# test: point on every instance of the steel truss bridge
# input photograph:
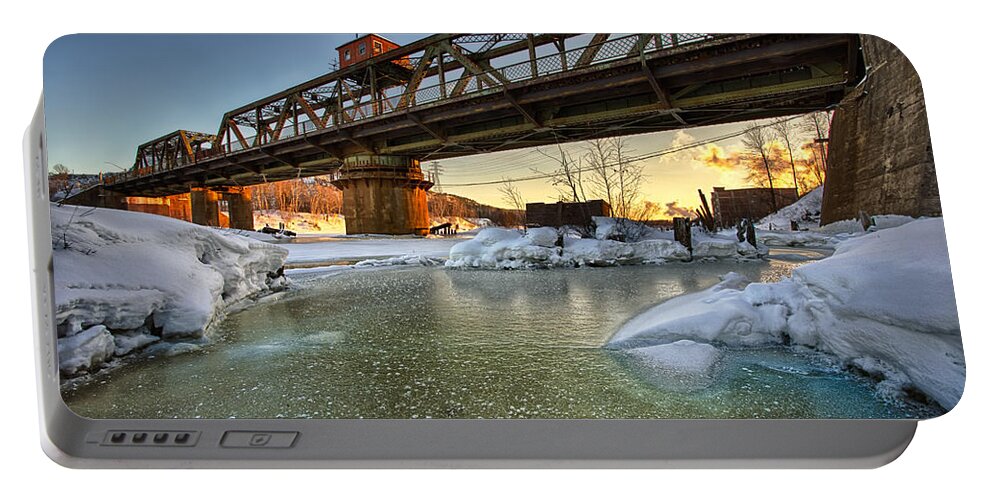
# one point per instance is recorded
(450, 95)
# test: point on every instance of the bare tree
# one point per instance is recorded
(615, 176)
(787, 133)
(813, 163)
(756, 141)
(818, 124)
(598, 160)
(60, 183)
(510, 195)
(568, 177)
(630, 176)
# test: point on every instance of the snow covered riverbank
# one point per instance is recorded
(883, 304)
(495, 248)
(127, 280)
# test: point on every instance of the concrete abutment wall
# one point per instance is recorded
(880, 159)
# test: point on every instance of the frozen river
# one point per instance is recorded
(419, 342)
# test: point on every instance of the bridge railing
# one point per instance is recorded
(490, 80)
(550, 64)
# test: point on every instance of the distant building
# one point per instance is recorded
(363, 48)
(565, 214)
(732, 205)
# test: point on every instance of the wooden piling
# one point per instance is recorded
(681, 227)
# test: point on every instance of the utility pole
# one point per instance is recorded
(436, 171)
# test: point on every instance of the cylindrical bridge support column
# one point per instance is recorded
(383, 194)
(203, 207)
(240, 208)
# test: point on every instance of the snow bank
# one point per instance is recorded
(617, 228)
(124, 280)
(795, 238)
(806, 211)
(337, 249)
(883, 303)
(497, 248)
(774, 229)
(849, 227)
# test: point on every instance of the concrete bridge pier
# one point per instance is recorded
(240, 208)
(204, 208)
(383, 194)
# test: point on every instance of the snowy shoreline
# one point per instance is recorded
(616, 242)
(882, 304)
(127, 282)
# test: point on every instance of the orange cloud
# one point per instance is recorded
(716, 157)
(672, 209)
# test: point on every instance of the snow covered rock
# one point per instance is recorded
(680, 366)
(143, 277)
(620, 229)
(683, 357)
(507, 249)
(722, 313)
(84, 349)
(883, 302)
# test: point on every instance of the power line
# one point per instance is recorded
(654, 154)
(530, 158)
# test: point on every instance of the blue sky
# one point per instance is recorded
(106, 94)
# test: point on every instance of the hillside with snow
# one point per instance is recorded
(127, 280)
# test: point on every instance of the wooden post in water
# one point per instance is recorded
(681, 227)
(746, 231)
(865, 220)
(707, 217)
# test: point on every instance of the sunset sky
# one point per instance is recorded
(674, 177)
(105, 94)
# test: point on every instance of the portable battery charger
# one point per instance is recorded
(487, 250)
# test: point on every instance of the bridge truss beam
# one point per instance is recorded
(453, 95)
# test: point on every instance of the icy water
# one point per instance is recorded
(431, 342)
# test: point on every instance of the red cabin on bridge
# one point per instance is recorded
(363, 48)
